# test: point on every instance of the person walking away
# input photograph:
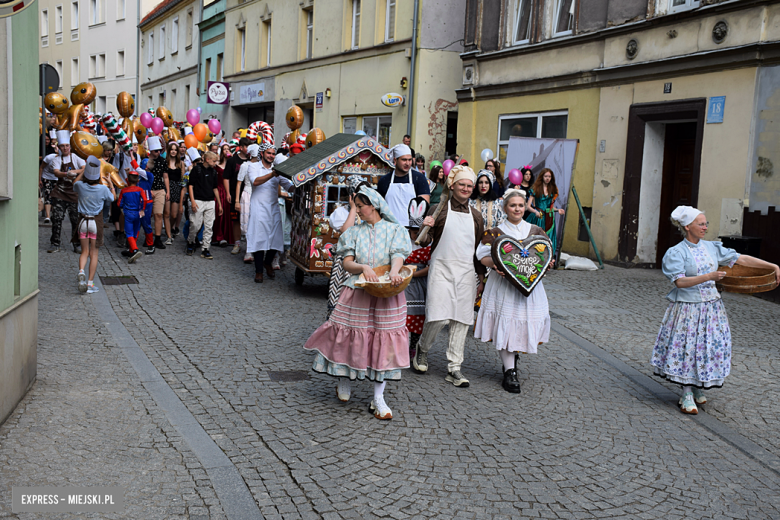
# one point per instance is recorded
(132, 200)
(204, 196)
(145, 180)
(66, 167)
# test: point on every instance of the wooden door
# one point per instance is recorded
(677, 183)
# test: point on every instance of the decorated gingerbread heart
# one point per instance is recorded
(524, 262)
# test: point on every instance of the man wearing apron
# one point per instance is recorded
(403, 184)
(457, 232)
(66, 167)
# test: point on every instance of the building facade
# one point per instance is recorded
(59, 39)
(672, 101)
(212, 58)
(170, 41)
(18, 196)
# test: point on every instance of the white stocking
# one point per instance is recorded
(379, 390)
(686, 389)
(507, 358)
(344, 386)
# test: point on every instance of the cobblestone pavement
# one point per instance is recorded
(581, 440)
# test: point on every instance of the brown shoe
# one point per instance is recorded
(270, 272)
(258, 277)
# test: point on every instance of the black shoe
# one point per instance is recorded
(149, 250)
(190, 250)
(510, 383)
(126, 252)
(135, 255)
(175, 232)
(206, 254)
(158, 243)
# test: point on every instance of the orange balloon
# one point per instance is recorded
(191, 141)
(201, 131)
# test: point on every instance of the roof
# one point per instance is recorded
(325, 156)
(161, 8)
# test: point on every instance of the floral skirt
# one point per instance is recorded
(693, 347)
(365, 338)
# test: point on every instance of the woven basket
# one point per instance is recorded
(386, 289)
(747, 280)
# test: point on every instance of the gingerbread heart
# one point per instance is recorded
(524, 262)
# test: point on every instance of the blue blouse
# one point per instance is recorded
(374, 244)
(679, 261)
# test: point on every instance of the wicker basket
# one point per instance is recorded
(386, 289)
(747, 280)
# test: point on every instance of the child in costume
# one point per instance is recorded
(417, 288)
(145, 180)
(514, 322)
(132, 200)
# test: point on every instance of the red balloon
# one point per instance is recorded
(515, 176)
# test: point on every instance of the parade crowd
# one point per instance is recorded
(232, 195)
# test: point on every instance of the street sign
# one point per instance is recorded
(10, 7)
(217, 93)
(318, 97)
(716, 109)
(48, 79)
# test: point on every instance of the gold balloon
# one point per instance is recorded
(108, 170)
(125, 104)
(56, 103)
(139, 130)
(85, 144)
(165, 114)
(83, 94)
(142, 153)
(294, 117)
(293, 137)
(314, 137)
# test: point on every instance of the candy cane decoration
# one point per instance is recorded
(119, 135)
(87, 120)
(263, 129)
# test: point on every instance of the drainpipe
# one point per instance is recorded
(414, 65)
(137, 59)
(200, 40)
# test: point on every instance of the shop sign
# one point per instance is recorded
(251, 93)
(716, 108)
(393, 100)
(217, 93)
(318, 98)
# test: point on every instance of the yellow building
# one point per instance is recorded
(348, 54)
(671, 101)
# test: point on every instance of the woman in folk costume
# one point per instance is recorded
(418, 287)
(485, 200)
(545, 193)
(366, 336)
(514, 322)
(693, 347)
(342, 219)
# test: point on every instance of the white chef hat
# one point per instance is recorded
(685, 214)
(193, 154)
(63, 136)
(400, 150)
(187, 130)
(253, 150)
(279, 159)
(102, 139)
(52, 134)
(154, 143)
(92, 170)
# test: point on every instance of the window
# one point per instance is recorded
(564, 17)
(267, 29)
(220, 67)
(309, 32)
(350, 125)
(151, 103)
(101, 66)
(58, 67)
(390, 21)
(96, 11)
(93, 66)
(58, 19)
(161, 52)
(161, 98)
(44, 23)
(150, 59)
(175, 35)
(188, 40)
(242, 49)
(378, 127)
(549, 125)
(207, 74)
(100, 108)
(74, 72)
(74, 16)
(522, 29)
(121, 7)
(676, 6)
(186, 98)
(120, 63)
(355, 24)
(172, 104)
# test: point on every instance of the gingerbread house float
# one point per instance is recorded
(319, 175)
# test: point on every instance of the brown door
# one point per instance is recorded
(677, 188)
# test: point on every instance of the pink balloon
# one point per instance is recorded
(515, 176)
(446, 166)
(193, 117)
(157, 125)
(214, 126)
(146, 119)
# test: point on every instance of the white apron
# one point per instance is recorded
(398, 197)
(451, 287)
(264, 232)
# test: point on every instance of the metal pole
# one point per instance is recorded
(137, 59)
(411, 74)
(42, 92)
(587, 227)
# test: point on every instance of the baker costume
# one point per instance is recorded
(399, 194)
(64, 198)
(451, 290)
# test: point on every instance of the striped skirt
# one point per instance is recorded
(365, 338)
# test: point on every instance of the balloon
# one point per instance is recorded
(486, 154)
(200, 131)
(294, 117)
(193, 117)
(435, 164)
(515, 176)
(360, 132)
(446, 166)
(146, 119)
(214, 126)
(190, 141)
(200, 110)
(157, 125)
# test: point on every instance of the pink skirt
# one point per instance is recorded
(365, 338)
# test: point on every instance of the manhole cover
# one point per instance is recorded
(117, 280)
(286, 376)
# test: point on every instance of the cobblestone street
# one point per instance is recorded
(208, 409)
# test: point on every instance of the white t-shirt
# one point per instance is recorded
(74, 159)
(48, 171)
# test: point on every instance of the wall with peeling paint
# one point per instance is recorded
(765, 170)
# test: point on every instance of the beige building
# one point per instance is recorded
(61, 26)
(672, 101)
(351, 53)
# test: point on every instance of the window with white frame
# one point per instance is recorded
(96, 12)
(551, 125)
(175, 35)
(121, 8)
(242, 49)
(190, 29)
(378, 127)
(74, 16)
(151, 102)
(676, 6)
(93, 66)
(220, 67)
(150, 58)
(350, 125)
(161, 52)
(521, 31)
(564, 17)
(74, 72)
(58, 19)
(58, 67)
(267, 28)
(207, 74)
(355, 41)
(120, 63)
(172, 102)
(100, 106)
(390, 20)
(309, 32)
(161, 99)
(44, 23)
(186, 98)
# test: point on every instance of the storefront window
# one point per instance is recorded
(378, 127)
(350, 125)
(551, 125)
